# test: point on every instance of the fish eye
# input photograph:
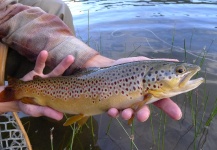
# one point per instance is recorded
(180, 69)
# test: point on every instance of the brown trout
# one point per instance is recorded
(94, 91)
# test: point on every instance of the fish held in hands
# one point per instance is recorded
(94, 91)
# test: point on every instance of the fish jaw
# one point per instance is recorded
(186, 82)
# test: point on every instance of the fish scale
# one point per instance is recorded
(96, 90)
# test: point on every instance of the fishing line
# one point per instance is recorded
(157, 37)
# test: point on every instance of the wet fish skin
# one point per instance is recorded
(94, 92)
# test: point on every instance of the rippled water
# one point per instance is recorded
(154, 29)
(186, 30)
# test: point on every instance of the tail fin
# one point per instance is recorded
(8, 94)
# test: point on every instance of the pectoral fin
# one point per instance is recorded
(138, 105)
(77, 118)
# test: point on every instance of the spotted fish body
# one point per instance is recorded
(95, 91)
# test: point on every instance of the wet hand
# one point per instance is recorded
(37, 111)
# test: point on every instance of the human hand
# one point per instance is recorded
(166, 104)
(34, 110)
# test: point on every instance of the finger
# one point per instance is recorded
(37, 111)
(170, 108)
(60, 69)
(113, 112)
(40, 62)
(126, 114)
(51, 113)
(143, 113)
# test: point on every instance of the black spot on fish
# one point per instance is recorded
(143, 80)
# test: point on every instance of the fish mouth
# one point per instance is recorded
(186, 81)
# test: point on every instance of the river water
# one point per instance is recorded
(185, 30)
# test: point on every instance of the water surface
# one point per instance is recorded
(185, 30)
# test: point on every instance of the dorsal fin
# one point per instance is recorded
(36, 77)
